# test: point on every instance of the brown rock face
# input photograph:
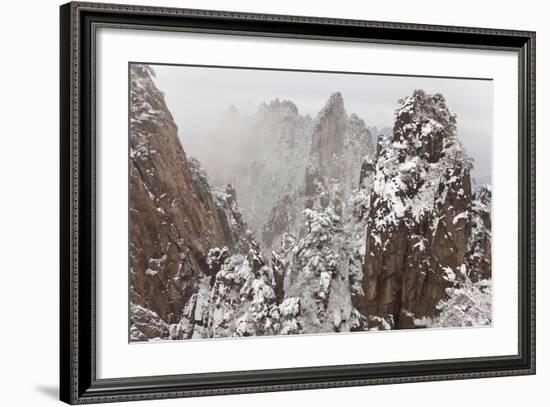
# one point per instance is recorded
(339, 145)
(478, 251)
(173, 217)
(235, 232)
(326, 154)
(419, 231)
(325, 170)
(328, 137)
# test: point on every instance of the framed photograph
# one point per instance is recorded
(256, 203)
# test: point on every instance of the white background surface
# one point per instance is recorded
(29, 205)
(116, 358)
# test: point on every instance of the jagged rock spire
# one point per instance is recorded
(418, 231)
(327, 144)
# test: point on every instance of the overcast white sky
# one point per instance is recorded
(199, 96)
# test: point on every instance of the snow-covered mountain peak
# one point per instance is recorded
(422, 216)
(335, 99)
(282, 107)
(334, 107)
(424, 119)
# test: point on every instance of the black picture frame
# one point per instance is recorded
(78, 382)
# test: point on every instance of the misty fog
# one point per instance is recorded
(211, 106)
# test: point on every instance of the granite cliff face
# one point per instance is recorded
(339, 144)
(419, 231)
(358, 149)
(174, 218)
(325, 170)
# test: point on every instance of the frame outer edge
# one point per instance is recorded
(70, 84)
(64, 135)
(533, 189)
(191, 12)
(70, 183)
